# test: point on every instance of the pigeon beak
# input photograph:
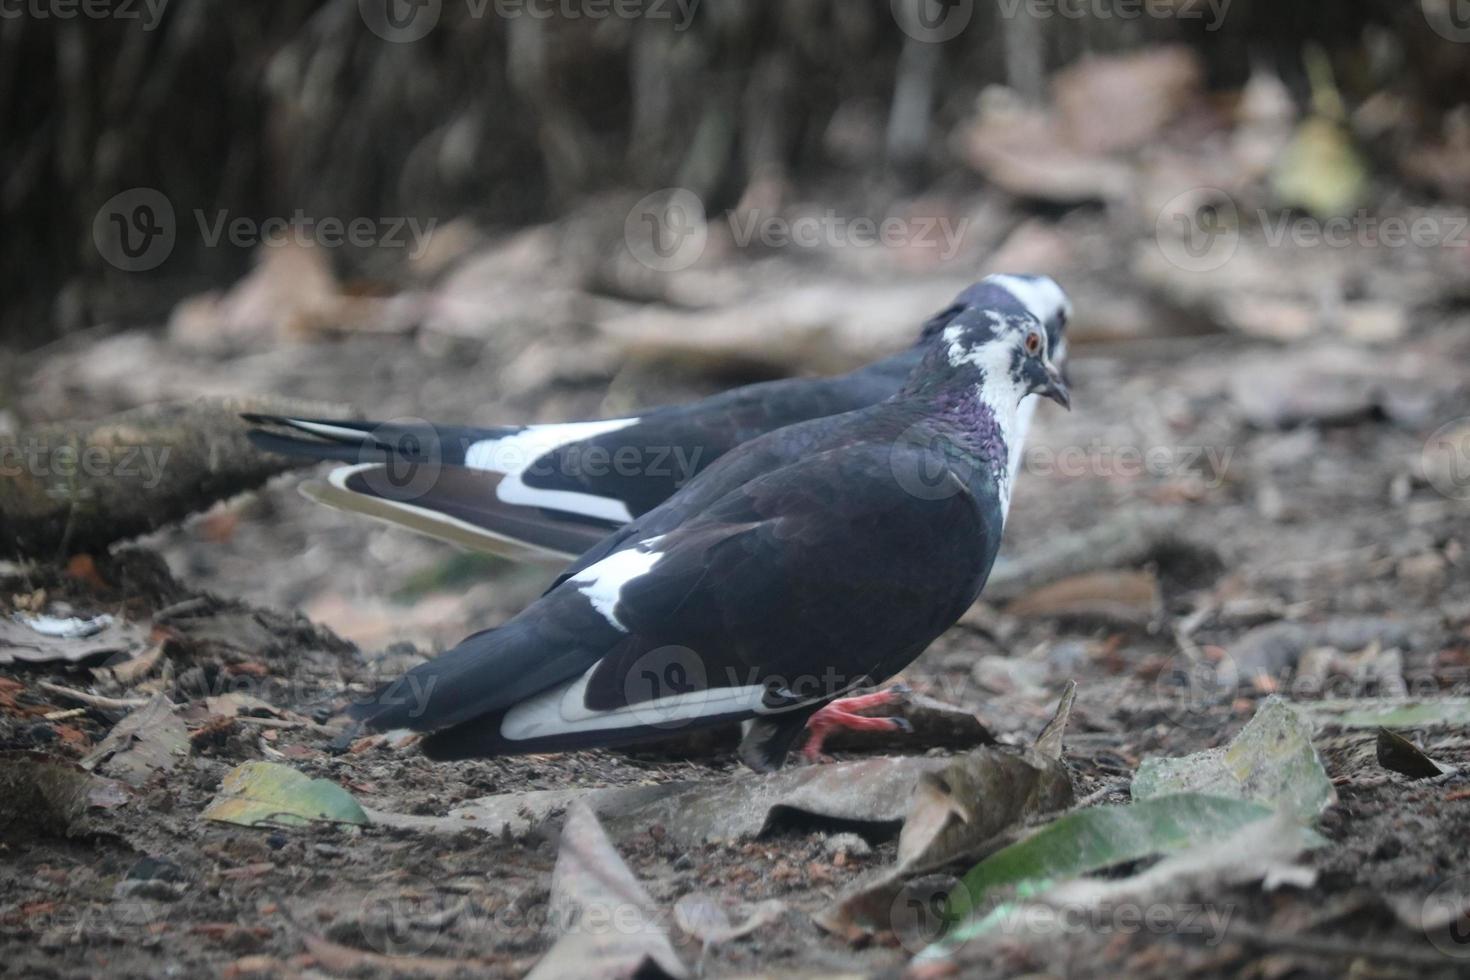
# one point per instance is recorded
(1056, 387)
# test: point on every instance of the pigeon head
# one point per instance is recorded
(1039, 296)
(1005, 354)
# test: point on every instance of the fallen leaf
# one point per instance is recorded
(49, 639)
(1271, 762)
(958, 812)
(1320, 170)
(1403, 756)
(150, 740)
(701, 916)
(608, 921)
(871, 795)
(1261, 850)
(1120, 102)
(131, 670)
(1120, 597)
(1375, 713)
(1100, 837)
(269, 794)
(1273, 650)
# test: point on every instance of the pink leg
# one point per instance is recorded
(841, 714)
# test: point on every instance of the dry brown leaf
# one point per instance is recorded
(608, 922)
(1118, 103)
(1120, 596)
(47, 639)
(150, 740)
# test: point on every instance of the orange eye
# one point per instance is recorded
(1033, 343)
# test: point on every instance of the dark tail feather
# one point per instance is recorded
(371, 442)
(486, 673)
(461, 506)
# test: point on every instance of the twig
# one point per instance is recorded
(310, 726)
(64, 715)
(180, 608)
(1337, 946)
(93, 700)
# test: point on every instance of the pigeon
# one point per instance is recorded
(803, 565)
(549, 492)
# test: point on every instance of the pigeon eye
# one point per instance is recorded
(1033, 343)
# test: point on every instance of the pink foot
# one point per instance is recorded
(842, 714)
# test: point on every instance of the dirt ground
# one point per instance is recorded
(1291, 478)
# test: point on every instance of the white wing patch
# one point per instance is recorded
(512, 454)
(563, 710)
(603, 582)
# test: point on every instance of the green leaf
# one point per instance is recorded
(1271, 762)
(1404, 714)
(268, 794)
(1100, 837)
(1320, 171)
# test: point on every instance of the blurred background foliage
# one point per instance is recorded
(265, 108)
